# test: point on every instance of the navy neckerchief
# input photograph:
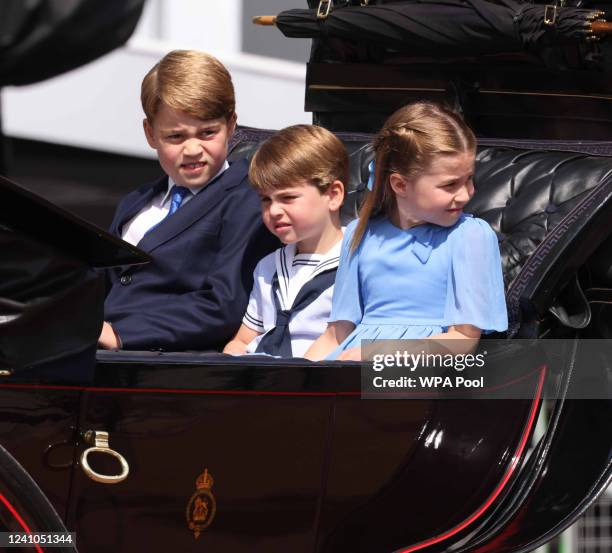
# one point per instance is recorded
(277, 341)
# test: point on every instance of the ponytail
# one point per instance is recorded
(378, 200)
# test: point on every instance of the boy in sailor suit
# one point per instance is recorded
(298, 174)
(200, 222)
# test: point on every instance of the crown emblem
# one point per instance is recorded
(202, 505)
(204, 481)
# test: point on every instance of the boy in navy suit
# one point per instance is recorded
(200, 222)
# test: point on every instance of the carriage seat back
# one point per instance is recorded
(550, 210)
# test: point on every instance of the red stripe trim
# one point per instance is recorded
(174, 391)
(513, 464)
(17, 517)
(411, 394)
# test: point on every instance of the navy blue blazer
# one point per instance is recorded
(192, 296)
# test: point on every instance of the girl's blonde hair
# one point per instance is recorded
(407, 144)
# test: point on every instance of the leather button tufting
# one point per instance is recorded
(125, 280)
(551, 208)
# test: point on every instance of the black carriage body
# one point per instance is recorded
(297, 460)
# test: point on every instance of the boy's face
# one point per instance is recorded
(301, 214)
(190, 150)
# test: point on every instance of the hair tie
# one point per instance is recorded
(372, 170)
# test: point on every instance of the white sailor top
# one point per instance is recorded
(294, 275)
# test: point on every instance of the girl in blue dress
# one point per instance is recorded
(414, 265)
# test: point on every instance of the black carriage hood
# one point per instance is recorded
(43, 38)
(511, 68)
(51, 296)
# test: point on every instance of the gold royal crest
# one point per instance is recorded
(202, 506)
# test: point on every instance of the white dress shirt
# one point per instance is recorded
(156, 210)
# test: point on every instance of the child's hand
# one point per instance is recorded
(238, 345)
(235, 348)
(351, 354)
(108, 338)
(334, 335)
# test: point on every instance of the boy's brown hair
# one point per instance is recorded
(299, 153)
(193, 82)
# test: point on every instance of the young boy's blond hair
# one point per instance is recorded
(189, 81)
(299, 153)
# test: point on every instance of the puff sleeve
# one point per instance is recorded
(347, 304)
(475, 293)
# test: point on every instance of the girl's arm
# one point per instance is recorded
(244, 336)
(334, 335)
(464, 338)
(351, 354)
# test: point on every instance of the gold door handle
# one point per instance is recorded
(99, 440)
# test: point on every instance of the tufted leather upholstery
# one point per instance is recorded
(550, 210)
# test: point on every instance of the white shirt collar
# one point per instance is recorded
(193, 189)
(292, 277)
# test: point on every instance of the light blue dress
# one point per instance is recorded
(417, 282)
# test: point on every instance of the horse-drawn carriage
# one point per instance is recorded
(157, 451)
